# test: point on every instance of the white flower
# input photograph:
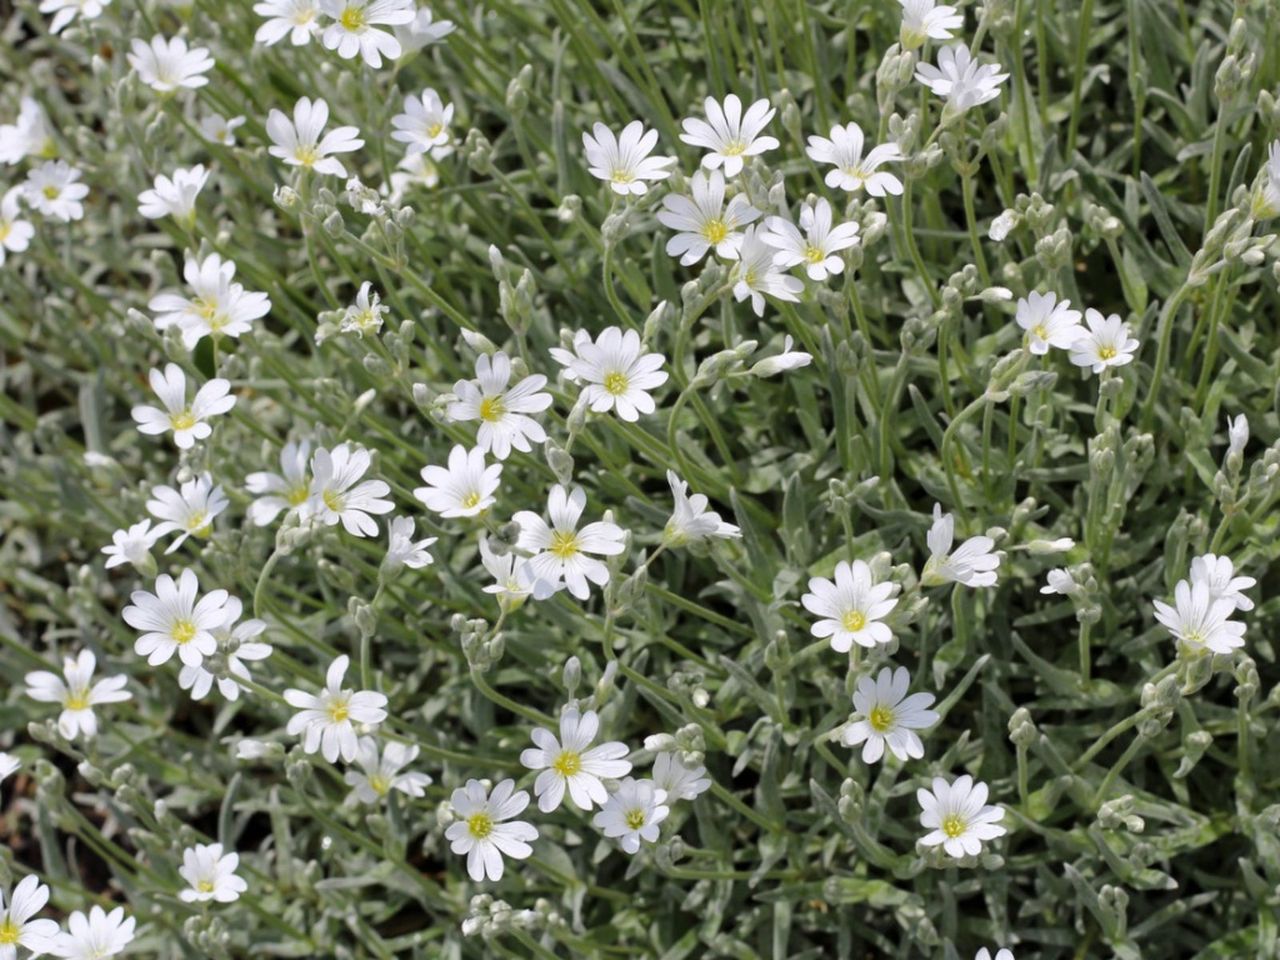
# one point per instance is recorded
(186, 420)
(167, 65)
(624, 162)
(172, 620)
(1059, 581)
(247, 749)
(728, 134)
(382, 775)
(851, 608)
(30, 136)
(756, 275)
(1049, 322)
(51, 188)
(64, 11)
(218, 129)
(288, 490)
(416, 169)
(352, 31)
(191, 509)
(703, 221)
(618, 376)
(424, 125)
(1200, 618)
(9, 765)
(17, 929)
(788, 359)
(402, 549)
(94, 936)
(421, 31)
(852, 171)
(985, 954)
(337, 492)
(567, 763)
(298, 142)
(1266, 201)
(174, 197)
(327, 719)
(132, 545)
(237, 643)
(958, 817)
(78, 695)
(889, 717)
(464, 488)
(1106, 343)
(365, 315)
(1003, 224)
(961, 79)
(972, 564)
(210, 874)
(15, 233)
(691, 520)
(633, 813)
(922, 21)
(1219, 574)
(561, 551)
(218, 305)
(502, 410)
(299, 19)
(484, 830)
(512, 581)
(817, 247)
(678, 781)
(1237, 431)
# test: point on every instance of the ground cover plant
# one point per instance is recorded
(639, 479)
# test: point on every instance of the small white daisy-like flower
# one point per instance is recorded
(851, 170)
(287, 490)
(571, 763)
(1105, 344)
(132, 545)
(424, 125)
(512, 581)
(781, 362)
(1237, 431)
(339, 494)
(237, 642)
(53, 190)
(15, 232)
(691, 520)
(985, 954)
(422, 31)
(190, 509)
(817, 247)
(887, 716)
(503, 411)
(417, 169)
(65, 11)
(562, 554)
(17, 929)
(94, 936)
(960, 79)
(1266, 200)
(728, 134)
(298, 142)
(703, 221)
(1049, 322)
(972, 564)
(957, 816)
(1003, 224)
(623, 161)
(188, 421)
(1219, 573)
(327, 720)
(484, 829)
(210, 874)
(678, 781)
(615, 372)
(354, 28)
(174, 196)
(365, 315)
(1059, 581)
(464, 488)
(851, 608)
(402, 549)
(218, 305)
(30, 136)
(296, 19)
(378, 776)
(218, 129)
(176, 619)
(1200, 620)
(757, 275)
(633, 813)
(9, 765)
(76, 693)
(923, 21)
(168, 65)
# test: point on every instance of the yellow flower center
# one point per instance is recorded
(183, 632)
(492, 409)
(9, 931)
(51, 192)
(735, 148)
(306, 155)
(76, 700)
(568, 763)
(198, 523)
(303, 16)
(634, 818)
(856, 173)
(814, 254)
(1106, 353)
(1039, 331)
(480, 825)
(622, 176)
(715, 231)
(182, 420)
(352, 19)
(953, 825)
(616, 383)
(853, 621)
(379, 784)
(339, 712)
(435, 129)
(881, 719)
(205, 886)
(298, 495)
(470, 500)
(333, 500)
(5, 229)
(564, 544)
